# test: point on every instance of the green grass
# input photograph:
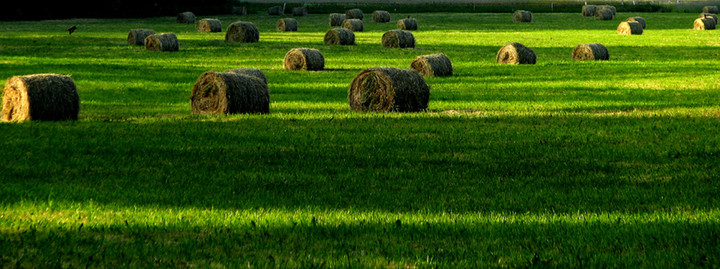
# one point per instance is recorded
(561, 163)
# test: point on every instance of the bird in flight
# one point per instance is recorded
(71, 29)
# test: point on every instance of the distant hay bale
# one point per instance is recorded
(162, 42)
(591, 52)
(710, 9)
(244, 32)
(433, 65)
(186, 17)
(603, 14)
(409, 24)
(354, 13)
(336, 19)
(209, 25)
(276, 11)
(522, 16)
(287, 24)
(608, 7)
(638, 19)
(398, 39)
(381, 16)
(704, 24)
(354, 25)
(236, 10)
(299, 11)
(339, 36)
(250, 72)
(709, 15)
(516, 53)
(137, 36)
(229, 93)
(589, 10)
(304, 59)
(388, 89)
(49, 97)
(630, 28)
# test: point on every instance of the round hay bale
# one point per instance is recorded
(630, 28)
(437, 65)
(287, 24)
(591, 52)
(304, 59)
(609, 7)
(339, 36)
(137, 36)
(710, 9)
(162, 42)
(244, 32)
(236, 10)
(336, 19)
(209, 25)
(381, 16)
(408, 24)
(704, 24)
(638, 19)
(299, 11)
(516, 53)
(186, 17)
(229, 93)
(398, 39)
(354, 25)
(388, 89)
(276, 11)
(250, 72)
(354, 13)
(50, 97)
(709, 15)
(589, 10)
(603, 15)
(522, 16)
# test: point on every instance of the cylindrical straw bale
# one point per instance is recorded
(209, 25)
(398, 39)
(710, 9)
(287, 24)
(304, 59)
(276, 11)
(408, 24)
(381, 16)
(516, 53)
(137, 36)
(603, 14)
(590, 52)
(340, 36)
(162, 42)
(709, 15)
(250, 72)
(336, 19)
(589, 10)
(244, 32)
(638, 19)
(437, 65)
(704, 24)
(229, 93)
(630, 28)
(299, 11)
(186, 17)
(354, 25)
(354, 13)
(49, 97)
(522, 16)
(236, 10)
(608, 7)
(388, 89)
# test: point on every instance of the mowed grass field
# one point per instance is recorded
(562, 163)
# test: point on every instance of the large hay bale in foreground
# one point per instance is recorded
(186, 17)
(398, 39)
(250, 72)
(630, 28)
(354, 13)
(381, 16)
(516, 53)
(522, 16)
(237, 10)
(709, 15)
(389, 89)
(299, 11)
(137, 36)
(603, 14)
(50, 97)
(354, 25)
(276, 11)
(229, 93)
(589, 10)
(304, 59)
(639, 20)
(590, 52)
(437, 65)
(162, 42)
(244, 32)
(339, 36)
(336, 19)
(704, 24)
(710, 9)
(408, 24)
(209, 26)
(287, 24)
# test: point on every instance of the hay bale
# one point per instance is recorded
(287, 24)
(49, 97)
(354, 25)
(304, 59)
(608, 7)
(162, 42)
(516, 53)
(381, 16)
(250, 72)
(437, 65)
(186, 17)
(398, 39)
(336, 19)
(638, 19)
(209, 25)
(137, 36)
(522, 16)
(388, 89)
(236, 10)
(704, 24)
(591, 52)
(710, 9)
(589, 10)
(276, 11)
(709, 15)
(339, 36)
(229, 93)
(354, 13)
(299, 11)
(630, 28)
(244, 32)
(408, 24)
(603, 14)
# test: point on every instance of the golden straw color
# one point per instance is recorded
(589, 10)
(354, 13)
(48, 97)
(381, 16)
(388, 89)
(603, 14)
(229, 93)
(590, 52)
(162, 42)
(522, 16)
(336, 19)
(339, 36)
(186, 17)
(137, 36)
(398, 39)
(276, 11)
(704, 24)
(287, 25)
(250, 72)
(304, 59)
(638, 19)
(709, 15)
(630, 28)
(209, 26)
(408, 24)
(244, 32)
(516, 53)
(433, 65)
(299, 11)
(354, 25)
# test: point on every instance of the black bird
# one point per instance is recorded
(71, 29)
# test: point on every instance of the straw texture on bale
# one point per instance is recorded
(250, 72)
(354, 25)
(591, 52)
(339, 36)
(388, 89)
(162, 42)
(276, 10)
(603, 14)
(209, 25)
(638, 19)
(516, 53)
(137, 36)
(398, 39)
(710, 9)
(186, 17)
(433, 65)
(244, 32)
(630, 28)
(609, 7)
(336, 19)
(409, 24)
(50, 97)
(236, 10)
(304, 59)
(299, 11)
(589, 10)
(287, 25)
(229, 93)
(381, 16)
(354, 13)
(522, 16)
(704, 24)
(709, 15)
